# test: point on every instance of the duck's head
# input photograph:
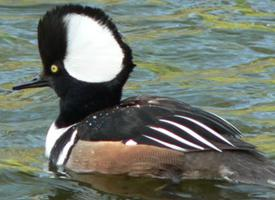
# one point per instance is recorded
(84, 58)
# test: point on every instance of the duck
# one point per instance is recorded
(87, 62)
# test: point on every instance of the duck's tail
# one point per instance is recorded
(241, 166)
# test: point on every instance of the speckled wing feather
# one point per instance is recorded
(161, 122)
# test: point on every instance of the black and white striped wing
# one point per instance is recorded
(183, 133)
(162, 122)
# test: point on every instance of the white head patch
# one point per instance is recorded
(93, 54)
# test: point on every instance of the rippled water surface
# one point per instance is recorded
(219, 55)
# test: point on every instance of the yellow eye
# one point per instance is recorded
(54, 69)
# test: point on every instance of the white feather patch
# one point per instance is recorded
(131, 143)
(53, 135)
(64, 153)
(93, 54)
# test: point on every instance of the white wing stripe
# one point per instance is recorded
(176, 137)
(172, 146)
(192, 133)
(225, 121)
(206, 128)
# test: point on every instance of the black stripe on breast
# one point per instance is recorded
(59, 146)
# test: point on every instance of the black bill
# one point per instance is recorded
(35, 83)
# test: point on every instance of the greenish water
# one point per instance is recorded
(219, 55)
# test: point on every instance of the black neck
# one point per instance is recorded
(83, 102)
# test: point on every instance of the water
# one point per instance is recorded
(219, 55)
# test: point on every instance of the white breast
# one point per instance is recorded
(53, 135)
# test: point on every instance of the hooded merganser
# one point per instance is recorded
(87, 63)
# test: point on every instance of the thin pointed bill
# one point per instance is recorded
(35, 83)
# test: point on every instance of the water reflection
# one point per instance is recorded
(154, 189)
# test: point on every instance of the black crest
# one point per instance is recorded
(52, 37)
